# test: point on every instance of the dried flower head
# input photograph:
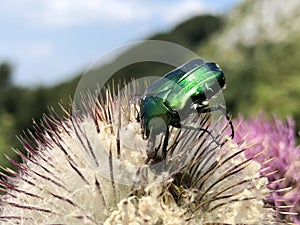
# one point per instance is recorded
(89, 169)
(273, 143)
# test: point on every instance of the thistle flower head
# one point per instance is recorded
(273, 145)
(89, 169)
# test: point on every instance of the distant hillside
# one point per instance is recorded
(261, 21)
(193, 31)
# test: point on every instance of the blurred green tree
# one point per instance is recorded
(5, 74)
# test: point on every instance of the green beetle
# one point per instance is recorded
(169, 100)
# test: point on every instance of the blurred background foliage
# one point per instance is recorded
(261, 75)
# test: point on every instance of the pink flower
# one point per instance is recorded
(273, 144)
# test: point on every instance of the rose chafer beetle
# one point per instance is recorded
(169, 100)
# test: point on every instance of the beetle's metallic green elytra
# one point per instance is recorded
(171, 98)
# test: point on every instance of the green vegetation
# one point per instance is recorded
(263, 76)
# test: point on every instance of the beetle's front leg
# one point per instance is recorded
(151, 150)
(154, 145)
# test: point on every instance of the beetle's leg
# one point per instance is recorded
(138, 116)
(204, 130)
(226, 114)
(205, 108)
(230, 124)
(165, 144)
(151, 149)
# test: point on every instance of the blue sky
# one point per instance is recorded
(50, 41)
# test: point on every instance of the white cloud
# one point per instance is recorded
(183, 10)
(85, 12)
(74, 12)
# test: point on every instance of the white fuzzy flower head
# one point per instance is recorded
(90, 169)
